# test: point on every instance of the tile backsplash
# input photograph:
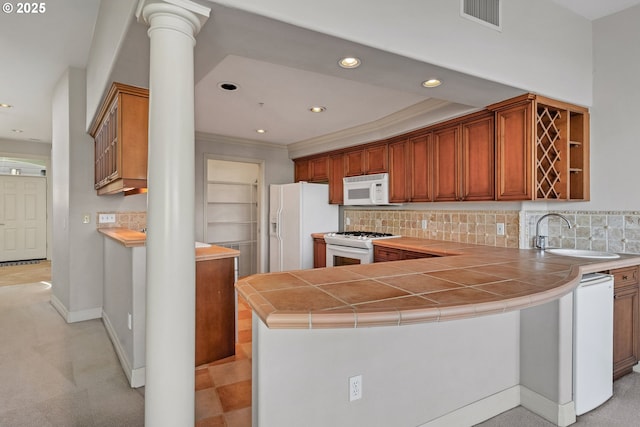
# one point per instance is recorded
(131, 220)
(464, 226)
(614, 231)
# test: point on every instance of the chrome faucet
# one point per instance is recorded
(540, 242)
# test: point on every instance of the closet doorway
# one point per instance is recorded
(232, 209)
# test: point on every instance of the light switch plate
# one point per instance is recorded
(500, 229)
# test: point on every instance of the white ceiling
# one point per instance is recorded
(234, 46)
(594, 9)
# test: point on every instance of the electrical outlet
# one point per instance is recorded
(107, 218)
(355, 388)
(347, 221)
(86, 218)
(500, 229)
(424, 224)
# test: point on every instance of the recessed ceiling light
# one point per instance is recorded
(228, 86)
(17, 130)
(318, 109)
(349, 62)
(261, 131)
(3, 105)
(431, 83)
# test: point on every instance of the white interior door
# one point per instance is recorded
(23, 218)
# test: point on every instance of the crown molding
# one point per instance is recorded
(215, 138)
(419, 115)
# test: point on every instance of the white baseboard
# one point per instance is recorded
(479, 411)
(136, 377)
(75, 316)
(560, 415)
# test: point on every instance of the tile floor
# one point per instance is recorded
(223, 388)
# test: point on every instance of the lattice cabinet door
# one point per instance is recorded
(552, 176)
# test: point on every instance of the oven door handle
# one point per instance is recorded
(347, 249)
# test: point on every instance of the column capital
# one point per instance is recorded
(194, 13)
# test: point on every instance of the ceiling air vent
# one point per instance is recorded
(486, 12)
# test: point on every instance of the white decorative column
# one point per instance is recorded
(170, 285)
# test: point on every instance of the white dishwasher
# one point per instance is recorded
(592, 341)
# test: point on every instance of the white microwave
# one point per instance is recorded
(366, 189)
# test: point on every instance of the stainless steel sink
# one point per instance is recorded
(583, 253)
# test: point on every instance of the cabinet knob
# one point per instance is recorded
(624, 277)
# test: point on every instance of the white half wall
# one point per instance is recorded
(410, 374)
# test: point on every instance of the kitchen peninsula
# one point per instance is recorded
(125, 292)
(446, 340)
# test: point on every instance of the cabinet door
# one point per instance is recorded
(420, 178)
(319, 253)
(354, 163)
(319, 169)
(382, 254)
(625, 330)
(478, 152)
(445, 163)
(215, 310)
(302, 170)
(376, 159)
(514, 130)
(336, 173)
(398, 179)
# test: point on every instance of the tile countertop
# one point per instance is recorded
(465, 281)
(131, 238)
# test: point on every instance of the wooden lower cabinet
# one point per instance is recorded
(626, 320)
(215, 310)
(384, 254)
(319, 252)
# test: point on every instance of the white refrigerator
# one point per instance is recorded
(295, 212)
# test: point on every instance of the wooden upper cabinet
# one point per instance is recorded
(399, 177)
(313, 169)
(463, 159)
(446, 183)
(354, 163)
(477, 159)
(367, 160)
(336, 173)
(514, 133)
(302, 170)
(120, 132)
(319, 169)
(420, 154)
(526, 148)
(542, 149)
(376, 159)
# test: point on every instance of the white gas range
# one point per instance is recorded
(352, 247)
